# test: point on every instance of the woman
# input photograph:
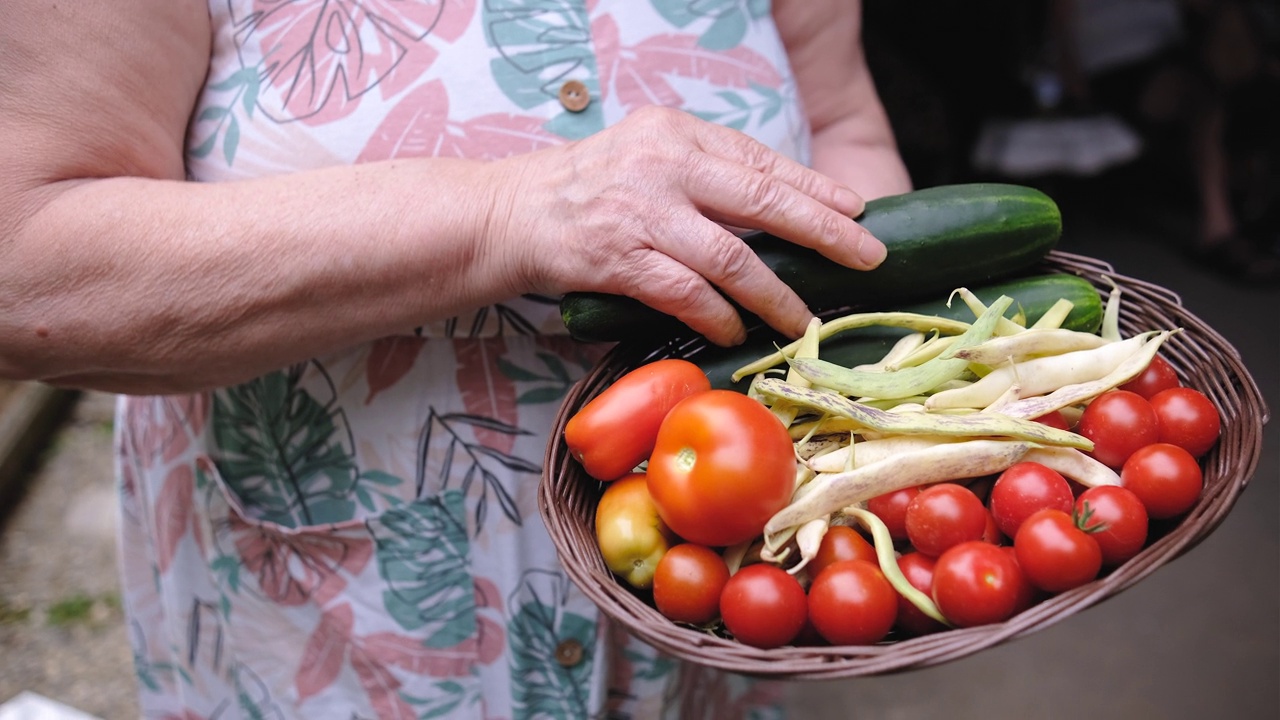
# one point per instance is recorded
(316, 245)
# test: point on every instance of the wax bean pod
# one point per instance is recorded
(1030, 344)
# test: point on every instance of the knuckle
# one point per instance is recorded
(761, 195)
(737, 261)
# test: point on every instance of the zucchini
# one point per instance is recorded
(938, 239)
(1032, 296)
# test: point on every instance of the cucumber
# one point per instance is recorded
(938, 238)
(1032, 296)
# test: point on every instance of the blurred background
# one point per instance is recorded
(1156, 126)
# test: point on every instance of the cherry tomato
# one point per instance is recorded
(1187, 418)
(1027, 593)
(1055, 554)
(1024, 488)
(688, 582)
(1166, 478)
(631, 536)
(991, 533)
(722, 466)
(851, 603)
(1054, 419)
(1116, 518)
(841, 543)
(1118, 422)
(918, 569)
(891, 508)
(975, 583)
(762, 605)
(944, 515)
(615, 431)
(1159, 375)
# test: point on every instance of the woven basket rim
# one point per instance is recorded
(566, 500)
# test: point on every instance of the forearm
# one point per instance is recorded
(862, 153)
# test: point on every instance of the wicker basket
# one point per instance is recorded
(568, 496)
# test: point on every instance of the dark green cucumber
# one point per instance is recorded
(1032, 296)
(939, 239)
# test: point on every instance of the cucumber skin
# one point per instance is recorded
(1032, 295)
(938, 238)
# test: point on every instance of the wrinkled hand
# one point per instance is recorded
(641, 209)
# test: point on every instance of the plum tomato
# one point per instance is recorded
(722, 466)
(1024, 488)
(1159, 375)
(841, 543)
(891, 508)
(1116, 518)
(944, 515)
(1118, 422)
(1054, 553)
(764, 606)
(975, 583)
(1187, 418)
(631, 537)
(917, 568)
(615, 431)
(1166, 478)
(687, 583)
(852, 603)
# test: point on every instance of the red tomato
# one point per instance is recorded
(616, 430)
(1187, 418)
(1166, 478)
(944, 515)
(851, 603)
(763, 606)
(1054, 419)
(975, 583)
(1158, 376)
(841, 543)
(991, 533)
(1116, 518)
(918, 569)
(1027, 594)
(722, 466)
(1118, 422)
(1024, 488)
(688, 582)
(891, 508)
(1055, 554)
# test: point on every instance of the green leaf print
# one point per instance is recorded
(541, 686)
(422, 552)
(726, 32)
(283, 452)
(449, 696)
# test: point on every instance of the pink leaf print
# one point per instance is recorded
(325, 652)
(161, 428)
(382, 687)
(638, 73)
(418, 126)
(409, 653)
(322, 56)
(292, 569)
(173, 513)
(485, 390)
(390, 360)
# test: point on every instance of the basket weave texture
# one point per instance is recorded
(567, 499)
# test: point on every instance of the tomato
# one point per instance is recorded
(841, 543)
(615, 431)
(688, 582)
(1054, 419)
(631, 536)
(722, 466)
(944, 515)
(891, 508)
(762, 605)
(1118, 422)
(917, 568)
(1159, 375)
(852, 603)
(1054, 553)
(975, 583)
(1024, 488)
(1027, 594)
(1187, 418)
(991, 532)
(1116, 518)
(1166, 478)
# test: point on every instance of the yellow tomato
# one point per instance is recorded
(631, 536)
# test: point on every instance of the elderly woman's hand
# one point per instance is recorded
(640, 209)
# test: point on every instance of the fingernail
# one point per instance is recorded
(871, 251)
(849, 202)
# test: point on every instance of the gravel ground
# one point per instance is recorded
(62, 632)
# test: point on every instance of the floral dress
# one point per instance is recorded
(357, 536)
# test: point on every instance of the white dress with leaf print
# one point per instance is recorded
(357, 536)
